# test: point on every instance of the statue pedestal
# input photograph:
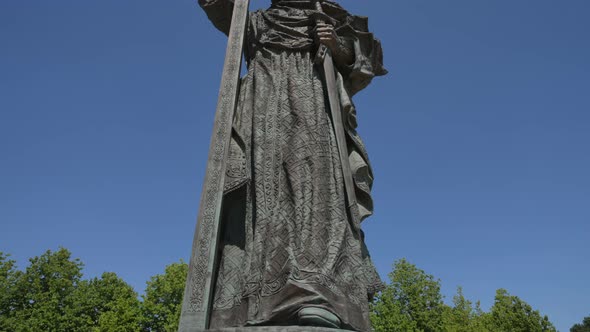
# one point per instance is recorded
(277, 329)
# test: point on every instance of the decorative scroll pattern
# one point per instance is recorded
(298, 235)
(287, 240)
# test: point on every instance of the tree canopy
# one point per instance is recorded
(412, 302)
(584, 327)
(51, 295)
(163, 299)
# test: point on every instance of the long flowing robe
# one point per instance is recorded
(287, 238)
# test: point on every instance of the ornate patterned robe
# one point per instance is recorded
(287, 241)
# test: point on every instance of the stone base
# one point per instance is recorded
(277, 329)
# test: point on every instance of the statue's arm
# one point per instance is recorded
(219, 13)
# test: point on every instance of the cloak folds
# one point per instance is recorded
(287, 242)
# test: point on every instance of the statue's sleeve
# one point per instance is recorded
(368, 54)
(219, 13)
(367, 63)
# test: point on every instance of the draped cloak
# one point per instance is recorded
(287, 241)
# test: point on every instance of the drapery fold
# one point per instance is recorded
(287, 242)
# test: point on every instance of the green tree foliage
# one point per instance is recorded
(8, 280)
(584, 327)
(163, 299)
(411, 303)
(463, 316)
(387, 314)
(42, 294)
(50, 296)
(511, 314)
(107, 304)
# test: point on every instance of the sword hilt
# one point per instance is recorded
(323, 49)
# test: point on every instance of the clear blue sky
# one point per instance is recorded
(479, 138)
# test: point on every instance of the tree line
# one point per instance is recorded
(51, 295)
(412, 302)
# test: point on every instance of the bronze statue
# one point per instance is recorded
(297, 178)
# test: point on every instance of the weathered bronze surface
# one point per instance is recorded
(278, 240)
(277, 329)
(198, 293)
